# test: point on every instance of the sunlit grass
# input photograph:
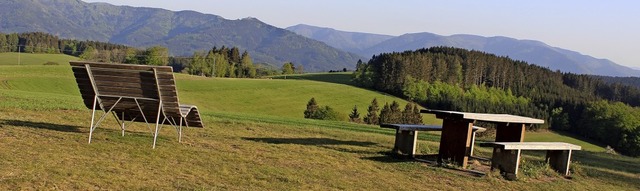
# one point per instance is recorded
(255, 139)
(12, 58)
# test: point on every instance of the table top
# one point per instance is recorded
(486, 117)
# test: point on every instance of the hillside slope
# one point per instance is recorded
(182, 32)
(347, 41)
(44, 132)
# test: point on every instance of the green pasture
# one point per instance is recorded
(12, 58)
(254, 138)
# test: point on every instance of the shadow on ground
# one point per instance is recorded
(392, 157)
(41, 125)
(337, 78)
(310, 141)
(328, 143)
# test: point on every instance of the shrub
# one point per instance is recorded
(328, 113)
(314, 111)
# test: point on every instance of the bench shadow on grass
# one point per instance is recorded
(41, 125)
(392, 157)
(320, 142)
(336, 78)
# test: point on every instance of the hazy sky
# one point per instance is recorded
(600, 28)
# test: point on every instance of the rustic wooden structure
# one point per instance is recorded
(506, 155)
(139, 93)
(407, 136)
(457, 132)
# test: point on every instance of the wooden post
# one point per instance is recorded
(559, 160)
(455, 141)
(405, 143)
(507, 161)
(510, 132)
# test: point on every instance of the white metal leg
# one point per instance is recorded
(180, 131)
(155, 135)
(123, 124)
(93, 115)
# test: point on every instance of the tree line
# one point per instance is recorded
(389, 114)
(457, 79)
(217, 62)
(223, 62)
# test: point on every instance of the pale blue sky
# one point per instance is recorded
(600, 28)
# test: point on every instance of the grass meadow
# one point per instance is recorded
(12, 58)
(254, 138)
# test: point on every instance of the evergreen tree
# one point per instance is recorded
(355, 115)
(4, 46)
(417, 116)
(312, 109)
(407, 114)
(395, 114)
(234, 55)
(372, 113)
(385, 114)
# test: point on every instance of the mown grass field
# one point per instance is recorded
(255, 138)
(12, 58)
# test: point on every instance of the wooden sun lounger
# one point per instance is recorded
(139, 93)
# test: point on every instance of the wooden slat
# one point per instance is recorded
(126, 80)
(412, 127)
(533, 145)
(487, 117)
(126, 73)
(79, 72)
(133, 80)
(121, 66)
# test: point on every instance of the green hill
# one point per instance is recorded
(12, 58)
(255, 137)
(183, 32)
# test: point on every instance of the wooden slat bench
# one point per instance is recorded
(506, 155)
(130, 92)
(407, 136)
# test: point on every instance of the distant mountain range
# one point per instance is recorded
(183, 32)
(533, 52)
(317, 49)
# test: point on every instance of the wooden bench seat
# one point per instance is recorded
(130, 92)
(407, 136)
(506, 155)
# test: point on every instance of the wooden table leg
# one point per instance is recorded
(406, 143)
(455, 141)
(559, 160)
(510, 132)
(507, 161)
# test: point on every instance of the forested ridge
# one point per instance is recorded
(182, 32)
(473, 81)
(217, 62)
(631, 81)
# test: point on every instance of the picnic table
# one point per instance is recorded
(457, 127)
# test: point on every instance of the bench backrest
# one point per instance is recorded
(148, 84)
